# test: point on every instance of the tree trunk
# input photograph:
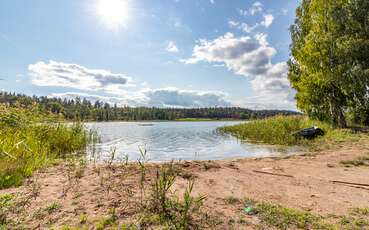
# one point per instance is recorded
(334, 115)
(338, 118)
(341, 119)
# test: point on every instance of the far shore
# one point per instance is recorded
(179, 120)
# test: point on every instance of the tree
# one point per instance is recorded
(329, 65)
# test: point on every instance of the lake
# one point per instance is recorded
(165, 141)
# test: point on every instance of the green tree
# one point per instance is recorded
(329, 66)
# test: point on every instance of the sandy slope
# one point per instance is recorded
(100, 188)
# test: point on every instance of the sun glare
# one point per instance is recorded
(113, 13)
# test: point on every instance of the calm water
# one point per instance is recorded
(173, 141)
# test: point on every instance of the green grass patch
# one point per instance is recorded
(278, 130)
(30, 140)
(55, 206)
(360, 161)
(6, 203)
(287, 218)
(273, 216)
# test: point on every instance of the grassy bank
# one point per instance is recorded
(30, 140)
(278, 130)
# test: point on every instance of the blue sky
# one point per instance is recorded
(166, 53)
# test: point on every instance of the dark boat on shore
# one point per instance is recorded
(309, 133)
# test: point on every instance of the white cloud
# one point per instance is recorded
(59, 74)
(233, 24)
(242, 26)
(164, 97)
(268, 20)
(246, 55)
(284, 11)
(173, 97)
(75, 76)
(250, 57)
(171, 47)
(257, 7)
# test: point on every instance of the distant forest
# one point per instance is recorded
(82, 109)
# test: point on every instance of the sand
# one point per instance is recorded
(303, 182)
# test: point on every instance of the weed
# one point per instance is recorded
(55, 206)
(360, 211)
(168, 210)
(360, 161)
(126, 159)
(6, 202)
(108, 221)
(190, 205)
(143, 170)
(231, 200)
(160, 201)
(83, 219)
(113, 152)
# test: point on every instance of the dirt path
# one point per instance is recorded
(310, 188)
(82, 194)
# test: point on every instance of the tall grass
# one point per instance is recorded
(30, 140)
(172, 212)
(276, 130)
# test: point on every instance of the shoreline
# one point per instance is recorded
(301, 182)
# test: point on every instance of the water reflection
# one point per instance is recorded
(166, 141)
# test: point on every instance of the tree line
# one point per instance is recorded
(85, 110)
(329, 65)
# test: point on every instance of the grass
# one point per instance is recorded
(273, 216)
(30, 141)
(109, 221)
(6, 202)
(164, 209)
(360, 161)
(288, 218)
(55, 206)
(278, 130)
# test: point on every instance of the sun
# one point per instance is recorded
(113, 13)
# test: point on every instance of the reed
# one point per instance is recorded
(30, 140)
(276, 130)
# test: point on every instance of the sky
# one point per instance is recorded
(162, 53)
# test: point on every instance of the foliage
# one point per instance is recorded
(276, 130)
(30, 140)
(98, 111)
(329, 67)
